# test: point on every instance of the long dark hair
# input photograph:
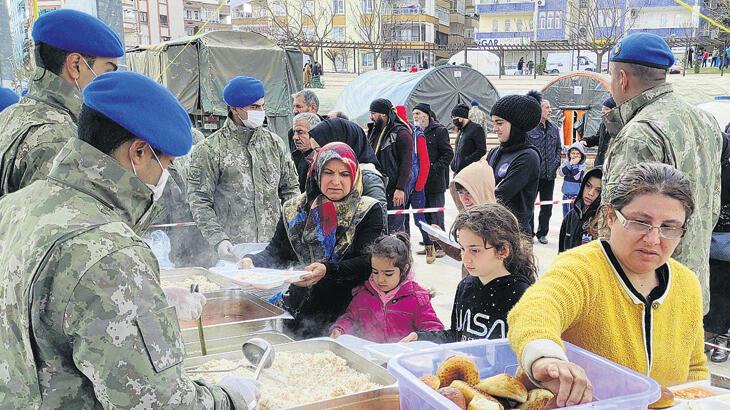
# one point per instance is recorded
(396, 247)
(499, 228)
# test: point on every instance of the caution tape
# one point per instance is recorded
(702, 16)
(727, 349)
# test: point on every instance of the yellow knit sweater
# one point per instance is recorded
(582, 299)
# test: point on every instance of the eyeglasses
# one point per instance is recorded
(666, 232)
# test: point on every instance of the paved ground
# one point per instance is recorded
(445, 273)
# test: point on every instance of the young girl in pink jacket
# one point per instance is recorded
(390, 305)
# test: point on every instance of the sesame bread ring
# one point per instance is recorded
(458, 368)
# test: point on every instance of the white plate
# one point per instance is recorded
(259, 278)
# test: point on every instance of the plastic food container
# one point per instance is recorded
(717, 398)
(614, 386)
(383, 352)
(259, 278)
(243, 249)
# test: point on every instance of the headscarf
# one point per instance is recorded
(341, 130)
(318, 228)
(478, 179)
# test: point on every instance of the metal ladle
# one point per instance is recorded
(259, 353)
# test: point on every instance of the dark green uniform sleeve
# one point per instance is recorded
(126, 339)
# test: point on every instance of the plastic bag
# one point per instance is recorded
(159, 243)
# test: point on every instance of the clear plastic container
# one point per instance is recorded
(615, 387)
(243, 249)
(258, 278)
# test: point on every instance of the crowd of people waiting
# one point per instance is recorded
(83, 313)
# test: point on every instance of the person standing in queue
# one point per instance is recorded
(241, 174)
(515, 162)
(71, 49)
(393, 145)
(652, 124)
(84, 322)
(471, 143)
(602, 137)
(546, 138)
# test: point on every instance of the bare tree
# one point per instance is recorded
(718, 10)
(296, 22)
(372, 20)
(598, 25)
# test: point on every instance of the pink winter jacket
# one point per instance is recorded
(409, 311)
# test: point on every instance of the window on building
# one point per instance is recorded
(196, 15)
(583, 4)
(163, 20)
(188, 14)
(550, 20)
(507, 25)
(519, 25)
(542, 20)
(366, 6)
(143, 16)
(495, 26)
(308, 8)
(190, 31)
(278, 8)
(338, 33)
(338, 7)
(368, 60)
(558, 19)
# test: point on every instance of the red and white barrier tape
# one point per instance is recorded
(717, 346)
(392, 212)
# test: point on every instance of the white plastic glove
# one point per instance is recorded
(241, 390)
(245, 263)
(189, 306)
(225, 251)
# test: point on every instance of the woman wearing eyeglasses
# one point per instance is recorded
(623, 298)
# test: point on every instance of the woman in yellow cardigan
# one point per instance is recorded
(624, 299)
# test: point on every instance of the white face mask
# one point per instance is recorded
(90, 69)
(255, 119)
(158, 189)
(416, 123)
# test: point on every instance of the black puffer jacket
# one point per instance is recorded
(547, 141)
(723, 223)
(440, 155)
(394, 152)
(573, 231)
(600, 139)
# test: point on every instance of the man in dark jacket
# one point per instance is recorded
(440, 155)
(574, 230)
(303, 153)
(601, 138)
(471, 143)
(393, 144)
(546, 138)
(303, 101)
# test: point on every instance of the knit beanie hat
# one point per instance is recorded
(381, 106)
(609, 103)
(461, 110)
(426, 108)
(523, 112)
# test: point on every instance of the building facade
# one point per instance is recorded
(152, 21)
(196, 13)
(405, 29)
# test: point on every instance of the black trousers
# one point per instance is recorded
(545, 190)
(435, 200)
(718, 319)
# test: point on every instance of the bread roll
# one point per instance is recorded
(521, 376)
(455, 395)
(431, 381)
(666, 400)
(458, 368)
(469, 391)
(539, 399)
(481, 402)
(504, 385)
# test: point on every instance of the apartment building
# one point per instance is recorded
(408, 28)
(196, 13)
(152, 21)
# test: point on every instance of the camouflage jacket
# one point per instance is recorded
(237, 180)
(477, 115)
(660, 127)
(83, 320)
(35, 129)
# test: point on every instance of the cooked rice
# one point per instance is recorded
(203, 283)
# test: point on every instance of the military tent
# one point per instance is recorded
(197, 68)
(576, 98)
(443, 87)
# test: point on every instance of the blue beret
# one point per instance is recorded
(242, 91)
(7, 98)
(644, 49)
(475, 102)
(144, 107)
(79, 32)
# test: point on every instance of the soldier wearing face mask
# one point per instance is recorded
(239, 176)
(71, 48)
(471, 143)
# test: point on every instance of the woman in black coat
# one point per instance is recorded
(326, 230)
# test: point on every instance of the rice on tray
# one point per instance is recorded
(310, 377)
(203, 283)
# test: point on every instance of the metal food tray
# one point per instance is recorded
(180, 274)
(377, 374)
(227, 317)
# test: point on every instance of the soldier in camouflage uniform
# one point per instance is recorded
(655, 125)
(34, 130)
(479, 116)
(83, 321)
(239, 176)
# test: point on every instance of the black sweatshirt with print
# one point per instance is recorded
(480, 311)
